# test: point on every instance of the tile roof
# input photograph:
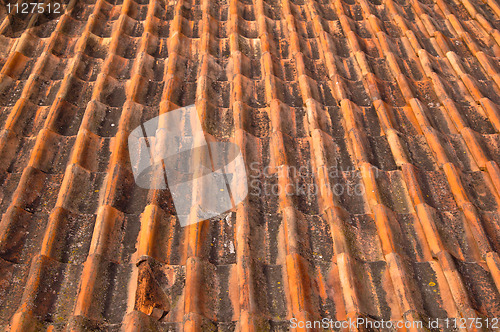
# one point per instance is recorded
(398, 97)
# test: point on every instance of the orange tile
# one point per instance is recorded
(327, 88)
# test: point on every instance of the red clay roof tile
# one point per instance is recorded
(389, 110)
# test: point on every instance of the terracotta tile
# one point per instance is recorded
(400, 101)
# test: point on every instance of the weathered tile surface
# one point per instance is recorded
(380, 116)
